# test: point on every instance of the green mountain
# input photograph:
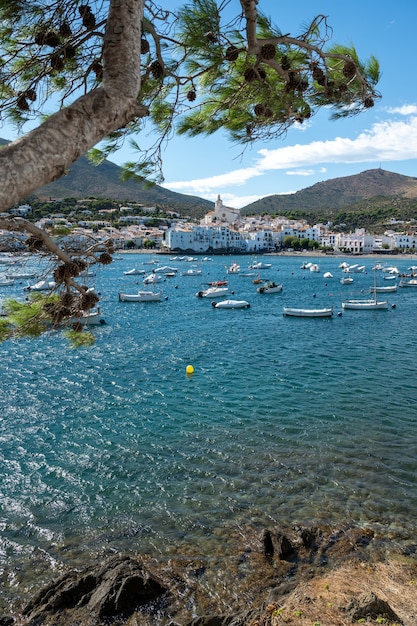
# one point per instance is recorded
(330, 196)
(86, 180)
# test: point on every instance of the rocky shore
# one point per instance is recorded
(308, 576)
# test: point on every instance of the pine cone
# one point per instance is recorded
(259, 109)
(30, 94)
(211, 37)
(87, 16)
(231, 54)
(144, 46)
(191, 95)
(349, 69)
(368, 102)
(285, 62)
(105, 258)
(156, 69)
(250, 74)
(65, 29)
(57, 62)
(268, 51)
(22, 103)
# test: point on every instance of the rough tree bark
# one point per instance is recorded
(46, 153)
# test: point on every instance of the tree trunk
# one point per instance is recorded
(46, 153)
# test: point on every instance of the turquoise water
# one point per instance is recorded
(283, 421)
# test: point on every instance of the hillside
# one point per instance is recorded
(104, 181)
(338, 193)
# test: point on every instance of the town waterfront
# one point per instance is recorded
(284, 421)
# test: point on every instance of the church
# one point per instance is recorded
(221, 215)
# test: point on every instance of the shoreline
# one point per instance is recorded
(304, 576)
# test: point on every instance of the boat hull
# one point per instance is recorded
(291, 312)
(141, 296)
(364, 305)
(231, 304)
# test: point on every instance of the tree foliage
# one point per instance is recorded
(92, 71)
(201, 69)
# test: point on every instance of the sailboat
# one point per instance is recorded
(370, 304)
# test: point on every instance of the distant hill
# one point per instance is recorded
(104, 181)
(338, 193)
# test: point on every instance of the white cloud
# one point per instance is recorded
(206, 185)
(300, 172)
(407, 109)
(385, 141)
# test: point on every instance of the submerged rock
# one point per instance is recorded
(115, 588)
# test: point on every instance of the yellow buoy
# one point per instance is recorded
(189, 369)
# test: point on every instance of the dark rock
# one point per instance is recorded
(369, 606)
(276, 544)
(6, 620)
(115, 588)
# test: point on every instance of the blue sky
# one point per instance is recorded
(384, 136)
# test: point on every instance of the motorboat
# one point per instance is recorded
(212, 292)
(141, 296)
(134, 272)
(269, 287)
(365, 305)
(325, 312)
(89, 318)
(166, 269)
(41, 285)
(314, 267)
(408, 282)
(234, 268)
(152, 278)
(260, 266)
(348, 280)
(231, 304)
(217, 283)
(327, 275)
(192, 272)
(356, 268)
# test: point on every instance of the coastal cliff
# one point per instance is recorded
(305, 576)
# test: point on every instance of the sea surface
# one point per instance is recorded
(284, 420)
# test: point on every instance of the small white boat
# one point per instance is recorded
(192, 272)
(152, 278)
(234, 268)
(6, 282)
(365, 305)
(141, 296)
(269, 287)
(20, 275)
(348, 280)
(314, 267)
(90, 318)
(260, 266)
(326, 312)
(385, 289)
(212, 292)
(408, 282)
(41, 285)
(166, 269)
(390, 277)
(356, 268)
(231, 304)
(327, 275)
(134, 272)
